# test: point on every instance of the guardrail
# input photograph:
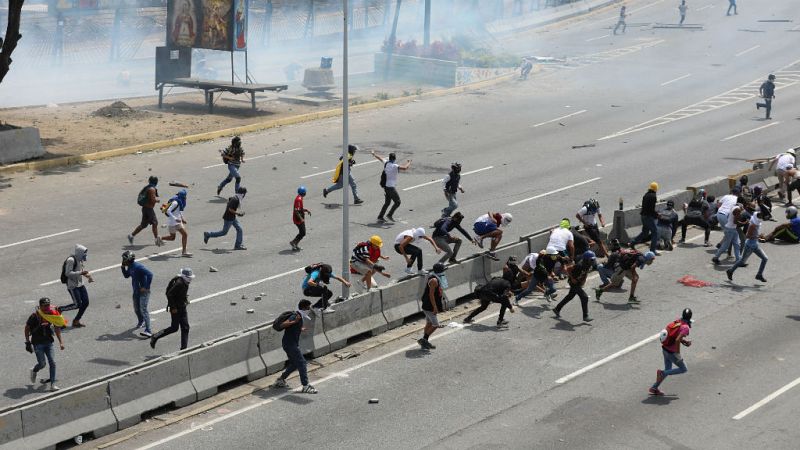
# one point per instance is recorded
(117, 401)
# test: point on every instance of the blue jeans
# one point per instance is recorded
(669, 360)
(80, 301)
(605, 274)
(649, 225)
(225, 228)
(140, 303)
(750, 247)
(233, 172)
(452, 204)
(338, 185)
(296, 362)
(731, 238)
(532, 286)
(43, 351)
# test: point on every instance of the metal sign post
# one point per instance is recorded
(345, 160)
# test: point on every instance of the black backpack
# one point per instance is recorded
(283, 317)
(64, 268)
(383, 176)
(141, 199)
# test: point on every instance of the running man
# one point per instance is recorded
(404, 245)
(73, 274)
(364, 261)
(433, 304)
(176, 221)
(443, 237)
(147, 199)
(452, 186)
(488, 226)
(682, 10)
(767, 92)
(672, 337)
(589, 215)
(751, 246)
(292, 328)
(337, 176)
(498, 290)
(177, 301)
(141, 278)
(230, 220)
(577, 273)
(731, 234)
(389, 184)
(233, 157)
(299, 218)
(621, 22)
(732, 5)
(39, 330)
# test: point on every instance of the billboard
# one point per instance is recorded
(205, 24)
(240, 15)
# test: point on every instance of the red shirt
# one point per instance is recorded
(298, 210)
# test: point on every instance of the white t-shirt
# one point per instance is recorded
(559, 239)
(530, 260)
(785, 161)
(590, 219)
(757, 222)
(726, 203)
(731, 223)
(391, 169)
(484, 219)
(415, 234)
(174, 214)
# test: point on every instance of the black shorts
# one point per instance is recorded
(594, 233)
(148, 217)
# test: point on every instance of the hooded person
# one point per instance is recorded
(72, 274)
(177, 300)
(489, 226)
(176, 220)
(39, 330)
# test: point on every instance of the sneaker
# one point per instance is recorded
(633, 300)
(146, 334)
(391, 219)
(502, 323)
(557, 313)
(338, 300)
(422, 272)
(516, 302)
(280, 383)
(715, 260)
(729, 273)
(219, 190)
(309, 389)
(381, 220)
(205, 237)
(241, 247)
(77, 324)
(159, 242)
(706, 244)
(358, 201)
(363, 284)
(54, 388)
(552, 297)
(138, 325)
(468, 320)
(292, 245)
(153, 342)
(659, 376)
(655, 391)
(587, 319)
(431, 346)
(480, 243)
(186, 255)
(324, 192)
(682, 241)
(492, 255)
(452, 261)
(130, 239)
(597, 293)
(761, 278)
(656, 252)
(410, 271)
(33, 376)
(423, 343)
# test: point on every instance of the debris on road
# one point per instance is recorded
(251, 311)
(584, 146)
(691, 281)
(346, 355)
(373, 400)
(212, 269)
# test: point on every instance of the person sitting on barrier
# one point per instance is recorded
(315, 285)
(433, 303)
(498, 290)
(292, 327)
(488, 226)
(364, 261)
(762, 203)
(589, 215)
(442, 229)
(697, 212)
(625, 267)
(539, 275)
(786, 232)
(667, 224)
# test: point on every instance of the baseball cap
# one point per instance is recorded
(186, 274)
(551, 250)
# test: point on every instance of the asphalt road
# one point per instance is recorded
(521, 134)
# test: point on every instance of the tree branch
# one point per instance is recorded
(12, 36)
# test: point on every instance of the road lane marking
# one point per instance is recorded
(747, 51)
(39, 238)
(559, 118)
(116, 266)
(256, 157)
(442, 179)
(676, 79)
(235, 288)
(555, 191)
(705, 7)
(331, 171)
(749, 131)
(766, 400)
(597, 364)
(598, 37)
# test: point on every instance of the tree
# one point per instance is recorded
(12, 36)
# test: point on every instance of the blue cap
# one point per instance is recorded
(588, 254)
(649, 256)
(182, 193)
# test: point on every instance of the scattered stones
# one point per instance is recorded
(233, 303)
(373, 400)
(244, 297)
(212, 269)
(251, 311)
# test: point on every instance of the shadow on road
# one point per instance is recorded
(109, 362)
(127, 335)
(18, 393)
(660, 399)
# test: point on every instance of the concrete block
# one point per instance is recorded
(539, 241)
(680, 197)
(401, 300)
(166, 382)
(269, 345)
(494, 268)
(358, 315)
(313, 341)
(462, 277)
(20, 144)
(771, 182)
(425, 70)
(11, 430)
(68, 414)
(714, 186)
(225, 361)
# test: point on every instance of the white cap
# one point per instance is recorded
(506, 219)
(551, 250)
(419, 232)
(790, 151)
(187, 273)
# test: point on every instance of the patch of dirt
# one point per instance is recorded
(119, 110)
(7, 127)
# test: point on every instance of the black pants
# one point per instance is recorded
(301, 232)
(414, 252)
(390, 195)
(699, 221)
(767, 104)
(792, 186)
(573, 291)
(180, 319)
(486, 300)
(321, 291)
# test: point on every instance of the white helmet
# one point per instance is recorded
(790, 151)
(507, 217)
(791, 212)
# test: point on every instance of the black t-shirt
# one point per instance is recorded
(580, 243)
(291, 335)
(579, 272)
(41, 330)
(496, 288)
(437, 295)
(649, 204)
(768, 88)
(233, 203)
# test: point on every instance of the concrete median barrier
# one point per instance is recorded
(221, 362)
(401, 300)
(164, 383)
(11, 430)
(492, 268)
(538, 242)
(313, 341)
(269, 345)
(356, 316)
(716, 186)
(71, 413)
(463, 277)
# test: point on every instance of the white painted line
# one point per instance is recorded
(597, 364)
(555, 191)
(287, 151)
(705, 7)
(598, 37)
(39, 238)
(747, 51)
(117, 265)
(559, 118)
(676, 79)
(766, 400)
(441, 179)
(331, 171)
(236, 288)
(256, 157)
(749, 131)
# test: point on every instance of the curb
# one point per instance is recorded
(201, 137)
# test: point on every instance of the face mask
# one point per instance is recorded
(305, 315)
(442, 281)
(187, 280)
(85, 255)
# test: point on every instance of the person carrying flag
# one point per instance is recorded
(39, 330)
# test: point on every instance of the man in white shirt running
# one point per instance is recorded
(176, 222)
(389, 184)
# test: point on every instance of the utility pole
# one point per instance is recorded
(427, 39)
(345, 159)
(392, 40)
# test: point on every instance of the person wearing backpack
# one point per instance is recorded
(233, 157)
(697, 212)
(432, 304)
(39, 330)
(141, 278)
(667, 224)
(176, 221)
(577, 274)
(72, 274)
(230, 219)
(177, 301)
(672, 337)
(337, 176)
(315, 284)
(442, 236)
(147, 199)
(292, 326)
(389, 184)
(625, 267)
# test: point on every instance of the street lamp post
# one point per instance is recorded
(345, 161)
